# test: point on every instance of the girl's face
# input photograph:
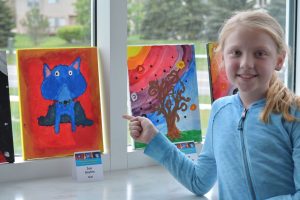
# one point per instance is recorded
(250, 57)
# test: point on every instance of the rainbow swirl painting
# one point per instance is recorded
(163, 88)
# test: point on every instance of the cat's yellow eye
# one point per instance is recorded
(70, 73)
(57, 73)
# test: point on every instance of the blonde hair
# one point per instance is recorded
(279, 98)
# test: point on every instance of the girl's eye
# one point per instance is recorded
(57, 73)
(236, 53)
(260, 53)
(70, 73)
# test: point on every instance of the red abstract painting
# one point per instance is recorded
(59, 101)
(219, 83)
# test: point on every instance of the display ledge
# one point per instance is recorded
(57, 167)
(133, 184)
(41, 168)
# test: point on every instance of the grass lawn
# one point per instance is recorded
(15, 115)
(13, 91)
(24, 41)
(16, 127)
(204, 99)
(200, 46)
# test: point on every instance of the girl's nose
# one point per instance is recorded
(247, 61)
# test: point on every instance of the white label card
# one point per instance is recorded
(88, 166)
(188, 148)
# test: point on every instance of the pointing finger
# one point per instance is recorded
(128, 117)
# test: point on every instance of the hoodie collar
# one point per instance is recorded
(258, 103)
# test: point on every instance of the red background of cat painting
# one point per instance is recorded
(41, 141)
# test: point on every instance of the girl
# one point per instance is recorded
(252, 144)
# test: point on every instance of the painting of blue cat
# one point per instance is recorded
(63, 84)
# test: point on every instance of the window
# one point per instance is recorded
(61, 22)
(197, 22)
(57, 22)
(32, 3)
(53, 1)
(25, 38)
(51, 22)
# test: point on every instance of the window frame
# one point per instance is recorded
(291, 30)
(113, 54)
(297, 52)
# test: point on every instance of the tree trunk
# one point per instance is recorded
(173, 131)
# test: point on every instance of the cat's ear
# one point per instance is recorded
(76, 63)
(47, 71)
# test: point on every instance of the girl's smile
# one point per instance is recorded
(247, 76)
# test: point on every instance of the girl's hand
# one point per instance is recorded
(141, 129)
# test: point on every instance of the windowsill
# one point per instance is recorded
(41, 168)
(57, 167)
(18, 159)
(138, 183)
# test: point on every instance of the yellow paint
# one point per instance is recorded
(180, 64)
(136, 55)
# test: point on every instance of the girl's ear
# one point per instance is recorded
(280, 60)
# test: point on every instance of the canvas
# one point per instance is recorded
(6, 134)
(59, 101)
(163, 88)
(219, 83)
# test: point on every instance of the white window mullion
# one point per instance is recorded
(112, 41)
(297, 68)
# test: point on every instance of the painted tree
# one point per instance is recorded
(170, 100)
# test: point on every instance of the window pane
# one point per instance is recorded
(40, 24)
(195, 21)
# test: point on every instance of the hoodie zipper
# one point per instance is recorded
(241, 129)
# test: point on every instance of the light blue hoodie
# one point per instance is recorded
(250, 159)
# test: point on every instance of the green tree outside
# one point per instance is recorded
(7, 23)
(82, 7)
(277, 9)
(71, 34)
(181, 19)
(173, 19)
(135, 16)
(36, 24)
(221, 10)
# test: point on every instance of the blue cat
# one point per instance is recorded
(64, 84)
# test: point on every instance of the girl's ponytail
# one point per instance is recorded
(279, 100)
